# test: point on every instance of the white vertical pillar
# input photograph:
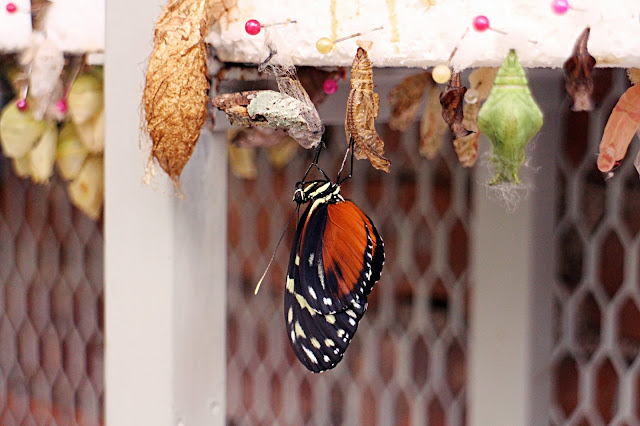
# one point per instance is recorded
(165, 257)
(511, 313)
(200, 283)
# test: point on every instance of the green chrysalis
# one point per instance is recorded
(509, 118)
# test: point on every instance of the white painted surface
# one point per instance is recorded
(15, 28)
(165, 265)
(510, 337)
(77, 25)
(422, 33)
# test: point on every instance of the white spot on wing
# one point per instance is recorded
(329, 342)
(304, 305)
(299, 330)
(330, 319)
(341, 332)
(311, 256)
(290, 284)
(321, 274)
(310, 354)
(290, 315)
(312, 292)
(327, 301)
(315, 342)
(352, 322)
(297, 260)
(326, 358)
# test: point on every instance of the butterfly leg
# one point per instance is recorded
(315, 164)
(344, 160)
(264, 64)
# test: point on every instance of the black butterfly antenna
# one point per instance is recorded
(344, 160)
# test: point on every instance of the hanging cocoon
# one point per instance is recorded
(509, 118)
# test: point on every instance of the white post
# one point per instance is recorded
(511, 314)
(165, 258)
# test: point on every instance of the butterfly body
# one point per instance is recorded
(336, 258)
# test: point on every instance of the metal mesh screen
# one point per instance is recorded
(406, 364)
(51, 324)
(595, 360)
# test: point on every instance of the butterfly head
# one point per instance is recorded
(316, 190)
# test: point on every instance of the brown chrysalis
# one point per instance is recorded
(405, 99)
(432, 125)
(176, 87)
(362, 109)
(578, 74)
(451, 100)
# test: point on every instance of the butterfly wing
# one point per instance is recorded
(318, 340)
(341, 257)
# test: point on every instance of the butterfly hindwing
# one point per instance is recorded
(318, 340)
(377, 259)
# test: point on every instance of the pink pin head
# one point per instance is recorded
(252, 27)
(22, 105)
(560, 6)
(11, 7)
(481, 23)
(61, 105)
(330, 86)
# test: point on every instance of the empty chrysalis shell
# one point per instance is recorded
(509, 118)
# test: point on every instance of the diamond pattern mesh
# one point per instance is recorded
(595, 363)
(406, 364)
(51, 323)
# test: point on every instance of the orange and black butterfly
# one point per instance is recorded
(336, 258)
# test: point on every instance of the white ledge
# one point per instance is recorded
(15, 28)
(418, 35)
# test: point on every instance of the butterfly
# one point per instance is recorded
(336, 258)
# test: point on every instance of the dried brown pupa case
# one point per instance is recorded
(272, 109)
(362, 110)
(175, 93)
(466, 147)
(405, 99)
(451, 100)
(432, 125)
(578, 74)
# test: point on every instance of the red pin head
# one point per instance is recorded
(22, 105)
(61, 106)
(330, 86)
(253, 26)
(11, 8)
(560, 6)
(481, 23)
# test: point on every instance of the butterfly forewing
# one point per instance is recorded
(336, 257)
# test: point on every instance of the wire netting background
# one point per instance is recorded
(51, 306)
(596, 294)
(406, 363)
